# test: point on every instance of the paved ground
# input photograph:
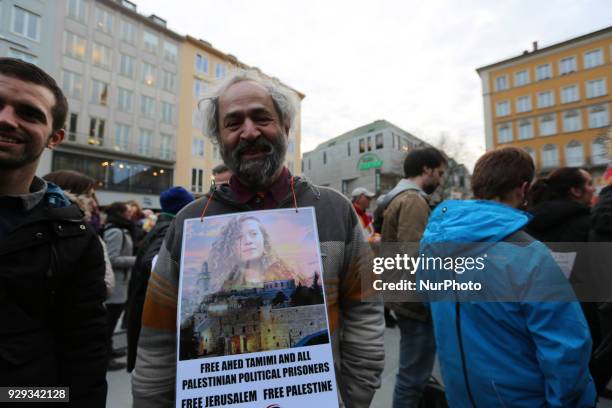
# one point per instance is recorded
(120, 395)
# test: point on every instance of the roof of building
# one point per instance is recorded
(370, 127)
(546, 49)
(152, 21)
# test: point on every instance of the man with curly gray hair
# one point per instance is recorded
(251, 118)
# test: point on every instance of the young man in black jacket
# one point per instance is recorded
(52, 266)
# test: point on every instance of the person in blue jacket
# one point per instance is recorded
(526, 345)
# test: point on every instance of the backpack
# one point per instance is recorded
(379, 212)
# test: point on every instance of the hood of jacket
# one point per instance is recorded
(473, 221)
(550, 214)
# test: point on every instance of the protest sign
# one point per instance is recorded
(252, 321)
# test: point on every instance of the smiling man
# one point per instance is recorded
(251, 118)
(52, 274)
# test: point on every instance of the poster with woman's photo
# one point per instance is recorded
(252, 321)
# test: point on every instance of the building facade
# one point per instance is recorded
(202, 66)
(370, 156)
(553, 102)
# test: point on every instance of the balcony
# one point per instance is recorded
(121, 148)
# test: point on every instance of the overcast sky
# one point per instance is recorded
(409, 62)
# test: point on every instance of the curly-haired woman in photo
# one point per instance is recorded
(242, 257)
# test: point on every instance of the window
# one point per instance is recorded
(149, 73)
(324, 157)
(168, 112)
(147, 106)
(548, 125)
(345, 187)
(71, 126)
(599, 152)
(72, 84)
(504, 133)
(574, 154)
(122, 137)
(571, 121)
(125, 100)
(166, 147)
(220, 70)
(216, 154)
(550, 156)
(593, 58)
(502, 108)
(77, 10)
(543, 71)
(521, 78)
(197, 119)
(197, 176)
(546, 99)
(567, 65)
(24, 56)
(290, 147)
(598, 116)
(128, 32)
(127, 66)
(144, 142)
(99, 92)
(101, 56)
(26, 23)
(197, 147)
(104, 20)
(150, 42)
(201, 63)
(523, 104)
(170, 52)
(379, 141)
(569, 94)
(168, 81)
(74, 45)
(96, 131)
(525, 129)
(531, 153)
(501, 83)
(199, 88)
(596, 88)
(348, 149)
(369, 143)
(361, 146)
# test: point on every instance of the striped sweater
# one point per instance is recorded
(356, 327)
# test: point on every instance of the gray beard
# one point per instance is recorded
(256, 174)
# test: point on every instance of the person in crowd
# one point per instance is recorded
(80, 189)
(405, 216)
(361, 198)
(171, 201)
(221, 174)
(120, 251)
(601, 231)
(137, 217)
(149, 220)
(521, 353)
(52, 276)
(250, 117)
(560, 204)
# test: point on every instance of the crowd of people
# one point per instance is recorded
(70, 268)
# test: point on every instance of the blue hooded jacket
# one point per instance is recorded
(515, 354)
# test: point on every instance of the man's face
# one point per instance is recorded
(252, 140)
(25, 123)
(363, 202)
(432, 178)
(584, 195)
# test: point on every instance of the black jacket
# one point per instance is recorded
(601, 220)
(139, 281)
(53, 321)
(560, 221)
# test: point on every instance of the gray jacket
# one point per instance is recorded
(120, 249)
